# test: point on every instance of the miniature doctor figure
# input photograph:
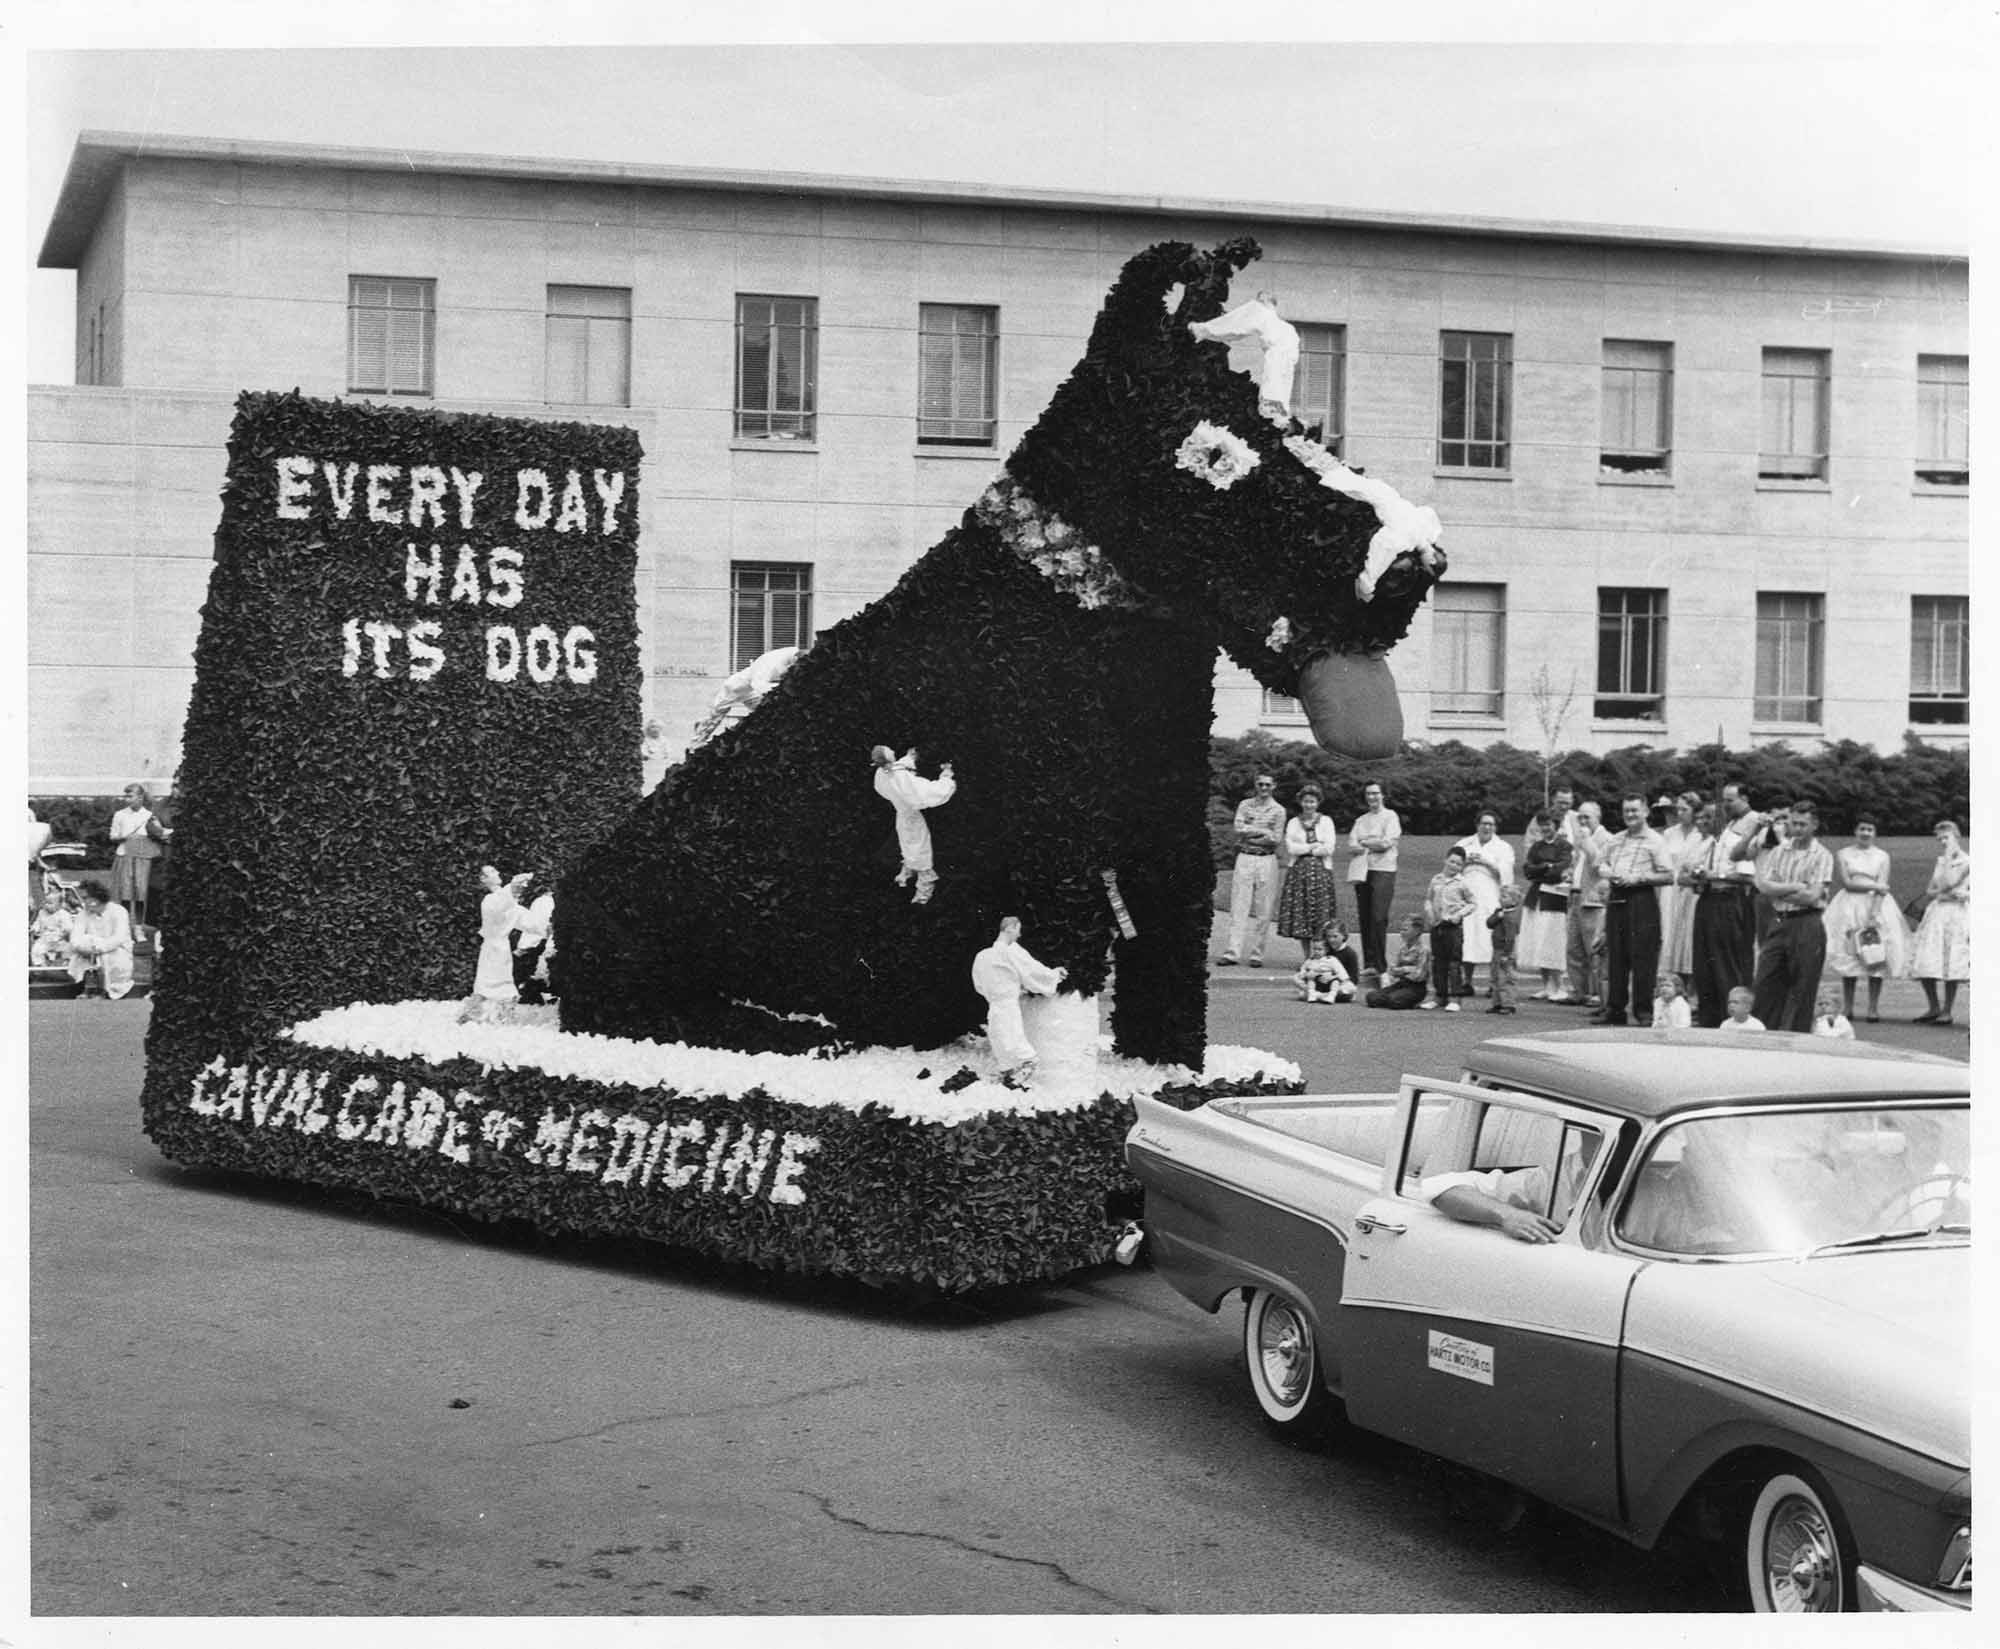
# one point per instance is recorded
(1000, 973)
(898, 783)
(1259, 319)
(743, 692)
(500, 912)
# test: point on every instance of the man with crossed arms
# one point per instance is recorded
(1794, 877)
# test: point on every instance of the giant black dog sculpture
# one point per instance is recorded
(1058, 647)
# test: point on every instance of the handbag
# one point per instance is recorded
(1869, 947)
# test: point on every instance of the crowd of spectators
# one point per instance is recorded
(1719, 915)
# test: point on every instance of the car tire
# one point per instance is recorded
(1282, 1359)
(1797, 1556)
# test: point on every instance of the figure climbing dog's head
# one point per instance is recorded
(1153, 478)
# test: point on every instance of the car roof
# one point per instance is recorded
(1653, 1073)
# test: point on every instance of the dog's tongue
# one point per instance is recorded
(1352, 704)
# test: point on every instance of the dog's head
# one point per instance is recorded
(1155, 454)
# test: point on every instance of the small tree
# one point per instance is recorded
(1551, 713)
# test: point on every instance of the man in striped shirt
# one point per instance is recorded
(1794, 877)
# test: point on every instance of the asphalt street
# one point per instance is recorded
(248, 1398)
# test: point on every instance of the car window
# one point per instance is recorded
(1546, 1158)
(1792, 1181)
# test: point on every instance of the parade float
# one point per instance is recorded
(420, 656)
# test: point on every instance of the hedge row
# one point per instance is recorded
(1439, 789)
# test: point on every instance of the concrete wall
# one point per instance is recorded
(235, 276)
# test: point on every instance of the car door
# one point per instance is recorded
(1472, 1344)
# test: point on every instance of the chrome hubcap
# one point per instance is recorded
(1799, 1561)
(1286, 1350)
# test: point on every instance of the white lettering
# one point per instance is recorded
(690, 1132)
(316, 1118)
(340, 488)
(425, 659)
(629, 1135)
(452, 1141)
(427, 490)
(467, 486)
(544, 653)
(610, 493)
(536, 481)
(503, 572)
(350, 647)
(574, 517)
(584, 1141)
(785, 1187)
(580, 661)
(745, 1168)
(231, 1102)
(465, 576)
(551, 1139)
(265, 1087)
(198, 1100)
(499, 668)
(382, 635)
(379, 477)
(347, 1124)
(394, 1115)
(294, 483)
(417, 571)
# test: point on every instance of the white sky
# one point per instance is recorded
(1817, 122)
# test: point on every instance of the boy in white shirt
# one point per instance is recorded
(1739, 1012)
(1828, 1020)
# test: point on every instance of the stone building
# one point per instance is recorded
(1691, 484)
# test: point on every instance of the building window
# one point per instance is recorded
(771, 607)
(1282, 707)
(1794, 440)
(1319, 383)
(1944, 430)
(391, 335)
(1475, 394)
(1631, 655)
(1637, 432)
(958, 375)
(777, 368)
(1789, 632)
(1940, 686)
(589, 355)
(1468, 649)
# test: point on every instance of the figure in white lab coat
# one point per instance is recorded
(743, 692)
(899, 784)
(1259, 319)
(1000, 973)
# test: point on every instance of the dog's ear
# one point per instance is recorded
(1135, 313)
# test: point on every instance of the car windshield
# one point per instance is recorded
(1793, 1181)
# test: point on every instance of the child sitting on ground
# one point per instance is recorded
(1324, 977)
(1670, 1008)
(1410, 976)
(1828, 1020)
(48, 939)
(1739, 1012)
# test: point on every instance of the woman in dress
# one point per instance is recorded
(100, 942)
(1306, 902)
(1544, 941)
(1489, 866)
(1686, 843)
(136, 836)
(500, 912)
(1943, 946)
(1862, 872)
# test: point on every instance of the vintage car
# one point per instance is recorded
(1746, 1305)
